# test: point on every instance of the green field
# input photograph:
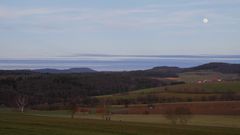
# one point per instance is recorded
(59, 122)
(218, 87)
(184, 92)
(197, 120)
(31, 123)
(192, 77)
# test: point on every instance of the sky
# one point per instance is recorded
(59, 28)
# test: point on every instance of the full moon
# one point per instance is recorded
(205, 20)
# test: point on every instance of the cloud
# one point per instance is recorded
(13, 13)
(194, 3)
(6, 13)
(48, 16)
(148, 16)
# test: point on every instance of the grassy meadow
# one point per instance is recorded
(59, 122)
(192, 77)
(45, 122)
(184, 92)
(197, 120)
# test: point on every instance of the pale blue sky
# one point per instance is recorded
(48, 28)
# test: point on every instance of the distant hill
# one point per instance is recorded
(71, 70)
(216, 67)
(219, 67)
(162, 71)
(15, 72)
(166, 69)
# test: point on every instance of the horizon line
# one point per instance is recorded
(173, 55)
(126, 56)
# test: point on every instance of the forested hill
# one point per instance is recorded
(64, 88)
(58, 87)
(216, 67)
(162, 71)
(71, 70)
(219, 67)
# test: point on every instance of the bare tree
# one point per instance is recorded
(21, 102)
(74, 111)
(179, 115)
(171, 115)
(107, 111)
(74, 107)
(184, 114)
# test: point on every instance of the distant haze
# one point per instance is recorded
(114, 62)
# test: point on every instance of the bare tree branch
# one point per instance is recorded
(21, 102)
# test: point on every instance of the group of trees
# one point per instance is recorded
(40, 89)
(178, 115)
(158, 98)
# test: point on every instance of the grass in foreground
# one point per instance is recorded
(196, 120)
(13, 123)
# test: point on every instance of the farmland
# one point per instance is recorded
(217, 91)
(192, 77)
(29, 123)
(127, 103)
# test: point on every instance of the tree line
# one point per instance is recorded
(39, 88)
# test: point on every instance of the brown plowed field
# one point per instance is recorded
(213, 108)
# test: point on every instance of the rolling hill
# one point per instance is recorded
(71, 70)
(214, 66)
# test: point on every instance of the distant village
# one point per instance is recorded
(209, 80)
